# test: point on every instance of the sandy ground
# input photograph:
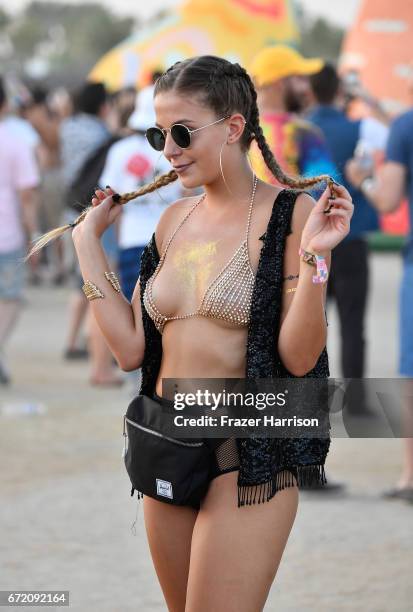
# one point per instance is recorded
(66, 512)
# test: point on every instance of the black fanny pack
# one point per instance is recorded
(165, 468)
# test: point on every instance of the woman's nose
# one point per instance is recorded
(171, 149)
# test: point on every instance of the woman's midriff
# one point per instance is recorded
(202, 348)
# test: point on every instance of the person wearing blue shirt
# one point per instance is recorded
(349, 275)
(386, 190)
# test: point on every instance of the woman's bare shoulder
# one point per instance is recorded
(170, 218)
(268, 196)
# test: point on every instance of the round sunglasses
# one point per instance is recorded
(181, 134)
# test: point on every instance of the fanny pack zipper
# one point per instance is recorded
(156, 433)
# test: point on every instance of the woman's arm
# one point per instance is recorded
(303, 332)
(119, 321)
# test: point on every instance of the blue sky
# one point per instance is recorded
(339, 11)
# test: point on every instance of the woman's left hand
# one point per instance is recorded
(324, 231)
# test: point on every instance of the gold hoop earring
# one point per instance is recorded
(250, 162)
(220, 167)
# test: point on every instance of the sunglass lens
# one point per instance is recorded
(181, 135)
(156, 138)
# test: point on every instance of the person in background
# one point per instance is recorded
(18, 97)
(46, 123)
(385, 189)
(131, 163)
(349, 277)
(19, 179)
(81, 135)
(61, 103)
(356, 95)
(281, 78)
(123, 105)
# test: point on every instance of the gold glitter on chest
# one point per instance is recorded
(194, 262)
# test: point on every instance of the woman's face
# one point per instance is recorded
(199, 163)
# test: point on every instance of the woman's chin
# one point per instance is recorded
(190, 182)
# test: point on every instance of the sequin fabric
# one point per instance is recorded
(267, 465)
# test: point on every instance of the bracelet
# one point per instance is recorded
(319, 262)
(307, 257)
(91, 291)
(291, 290)
(113, 279)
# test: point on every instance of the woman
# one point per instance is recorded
(217, 556)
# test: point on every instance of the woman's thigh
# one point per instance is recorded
(169, 530)
(235, 551)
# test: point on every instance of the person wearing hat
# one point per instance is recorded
(281, 77)
(131, 162)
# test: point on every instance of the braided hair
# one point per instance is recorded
(224, 87)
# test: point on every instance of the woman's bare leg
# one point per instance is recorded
(9, 313)
(235, 551)
(77, 311)
(406, 476)
(169, 530)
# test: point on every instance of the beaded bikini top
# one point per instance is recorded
(227, 297)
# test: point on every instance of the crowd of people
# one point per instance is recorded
(69, 145)
(56, 149)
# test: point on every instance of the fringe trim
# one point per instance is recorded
(307, 476)
(310, 475)
(139, 494)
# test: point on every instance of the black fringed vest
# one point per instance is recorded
(266, 464)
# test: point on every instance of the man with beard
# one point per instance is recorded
(281, 79)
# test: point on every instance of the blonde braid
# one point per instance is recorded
(161, 181)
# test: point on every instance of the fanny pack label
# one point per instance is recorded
(163, 487)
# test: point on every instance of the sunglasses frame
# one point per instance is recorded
(164, 132)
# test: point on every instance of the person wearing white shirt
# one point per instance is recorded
(130, 164)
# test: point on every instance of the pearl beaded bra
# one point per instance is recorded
(227, 297)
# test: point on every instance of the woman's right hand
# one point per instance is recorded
(103, 213)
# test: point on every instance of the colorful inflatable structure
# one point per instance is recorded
(235, 29)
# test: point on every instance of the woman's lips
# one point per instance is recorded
(180, 169)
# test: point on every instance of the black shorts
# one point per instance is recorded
(224, 456)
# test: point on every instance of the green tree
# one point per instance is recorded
(319, 37)
(71, 37)
(4, 19)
